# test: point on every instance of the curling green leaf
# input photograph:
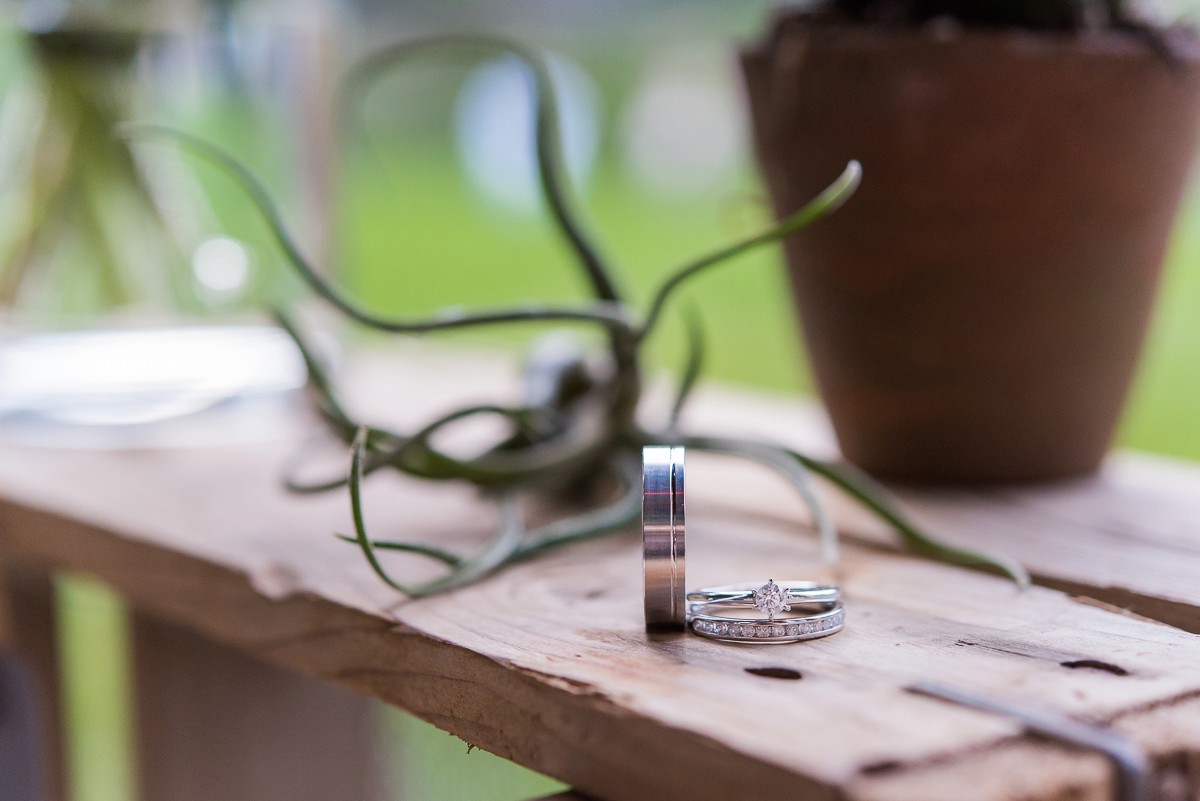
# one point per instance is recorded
(443, 556)
(871, 495)
(610, 315)
(828, 201)
(501, 550)
(879, 501)
(497, 553)
(330, 407)
(376, 439)
(566, 453)
(358, 448)
(784, 462)
(691, 369)
(413, 455)
(552, 175)
(617, 515)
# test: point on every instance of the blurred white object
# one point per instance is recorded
(682, 130)
(149, 387)
(222, 268)
(494, 130)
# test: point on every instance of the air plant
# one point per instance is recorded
(578, 426)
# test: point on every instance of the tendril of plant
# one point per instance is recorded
(580, 430)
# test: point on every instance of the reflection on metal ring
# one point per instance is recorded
(663, 537)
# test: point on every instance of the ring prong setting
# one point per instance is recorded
(771, 599)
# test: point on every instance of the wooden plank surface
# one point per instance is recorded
(547, 663)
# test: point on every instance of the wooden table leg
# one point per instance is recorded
(21, 754)
(215, 723)
(31, 692)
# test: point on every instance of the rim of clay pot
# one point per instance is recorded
(1183, 42)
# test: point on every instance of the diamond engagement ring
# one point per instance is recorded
(812, 611)
(662, 538)
(771, 598)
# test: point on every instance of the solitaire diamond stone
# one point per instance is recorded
(772, 599)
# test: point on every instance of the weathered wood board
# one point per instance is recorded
(547, 663)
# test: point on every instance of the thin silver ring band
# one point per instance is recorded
(780, 630)
(663, 538)
(804, 592)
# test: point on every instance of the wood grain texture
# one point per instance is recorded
(547, 663)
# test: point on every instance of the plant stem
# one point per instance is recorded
(611, 316)
(780, 460)
(878, 500)
(829, 200)
(552, 175)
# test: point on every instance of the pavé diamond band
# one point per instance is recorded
(663, 538)
(779, 630)
(794, 611)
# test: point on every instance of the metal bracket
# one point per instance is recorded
(1131, 767)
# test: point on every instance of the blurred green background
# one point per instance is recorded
(435, 216)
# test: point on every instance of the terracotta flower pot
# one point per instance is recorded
(976, 311)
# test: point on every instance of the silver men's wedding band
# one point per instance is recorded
(662, 538)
